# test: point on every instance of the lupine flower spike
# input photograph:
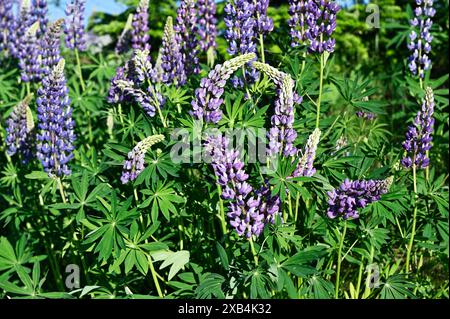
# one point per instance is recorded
(186, 31)
(123, 40)
(172, 61)
(419, 135)
(139, 32)
(305, 165)
(40, 10)
(354, 195)
(420, 41)
(19, 130)
(208, 97)
(74, 26)
(55, 136)
(50, 47)
(249, 210)
(207, 27)
(135, 163)
(281, 134)
(313, 22)
(6, 23)
(29, 55)
(18, 29)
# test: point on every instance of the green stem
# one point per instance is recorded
(367, 289)
(290, 205)
(28, 88)
(319, 99)
(252, 247)
(413, 231)
(222, 210)
(358, 284)
(80, 73)
(154, 276)
(297, 203)
(341, 243)
(61, 190)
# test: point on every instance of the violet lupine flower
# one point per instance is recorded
(354, 195)
(172, 61)
(139, 32)
(29, 55)
(40, 10)
(249, 210)
(135, 163)
(50, 47)
(264, 24)
(6, 23)
(305, 166)
(74, 26)
(313, 21)
(419, 135)
(208, 97)
(207, 24)
(420, 42)
(366, 115)
(55, 136)
(240, 34)
(282, 134)
(19, 27)
(19, 129)
(186, 34)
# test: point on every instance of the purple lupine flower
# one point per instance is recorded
(240, 33)
(139, 33)
(135, 162)
(313, 21)
(248, 210)
(419, 135)
(282, 134)
(40, 10)
(354, 195)
(305, 166)
(19, 130)
(186, 34)
(366, 115)
(19, 27)
(172, 61)
(55, 136)
(29, 55)
(207, 24)
(420, 38)
(74, 26)
(264, 24)
(50, 47)
(208, 97)
(6, 23)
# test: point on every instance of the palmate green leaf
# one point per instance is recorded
(320, 288)
(11, 257)
(162, 197)
(210, 286)
(300, 263)
(396, 287)
(176, 260)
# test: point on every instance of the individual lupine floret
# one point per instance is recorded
(172, 61)
(19, 27)
(281, 134)
(19, 130)
(139, 32)
(207, 24)
(419, 135)
(40, 10)
(305, 166)
(6, 23)
(240, 33)
(55, 136)
(354, 195)
(313, 21)
(366, 115)
(74, 26)
(420, 42)
(29, 55)
(135, 163)
(186, 31)
(208, 97)
(50, 47)
(249, 211)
